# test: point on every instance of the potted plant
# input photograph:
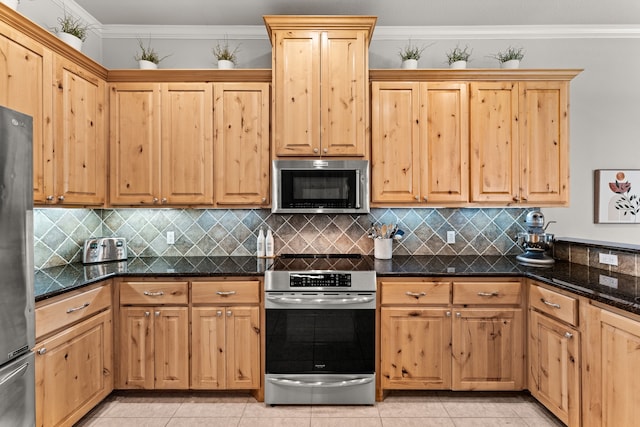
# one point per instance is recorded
(410, 55)
(225, 56)
(510, 58)
(148, 58)
(72, 31)
(458, 57)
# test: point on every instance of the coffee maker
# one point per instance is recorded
(535, 241)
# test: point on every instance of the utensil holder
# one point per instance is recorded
(382, 248)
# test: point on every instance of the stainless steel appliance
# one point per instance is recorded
(17, 319)
(320, 330)
(320, 186)
(535, 241)
(104, 249)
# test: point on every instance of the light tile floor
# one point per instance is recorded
(410, 409)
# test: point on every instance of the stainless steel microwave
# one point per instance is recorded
(320, 186)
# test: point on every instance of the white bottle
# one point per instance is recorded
(260, 244)
(268, 243)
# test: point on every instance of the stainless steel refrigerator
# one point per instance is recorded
(17, 329)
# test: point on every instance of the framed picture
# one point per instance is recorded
(617, 196)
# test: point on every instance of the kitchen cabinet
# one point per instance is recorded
(420, 142)
(80, 136)
(612, 361)
(320, 83)
(519, 142)
(74, 355)
(241, 143)
(26, 78)
(153, 335)
(161, 144)
(225, 335)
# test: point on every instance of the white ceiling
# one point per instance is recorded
(389, 12)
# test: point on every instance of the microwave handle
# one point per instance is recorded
(357, 188)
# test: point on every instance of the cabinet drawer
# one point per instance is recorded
(415, 293)
(487, 293)
(243, 292)
(154, 292)
(59, 314)
(554, 304)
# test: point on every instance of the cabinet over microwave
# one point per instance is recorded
(320, 186)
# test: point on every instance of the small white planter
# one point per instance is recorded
(71, 40)
(13, 4)
(410, 64)
(513, 63)
(457, 65)
(224, 64)
(143, 64)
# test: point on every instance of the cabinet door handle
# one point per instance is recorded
(458, 314)
(80, 307)
(568, 335)
(153, 293)
(157, 313)
(488, 294)
(147, 314)
(155, 200)
(225, 293)
(425, 198)
(229, 313)
(515, 199)
(315, 150)
(49, 198)
(42, 351)
(550, 304)
(219, 313)
(416, 197)
(326, 150)
(448, 314)
(164, 200)
(264, 200)
(61, 198)
(415, 294)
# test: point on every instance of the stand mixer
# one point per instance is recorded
(535, 241)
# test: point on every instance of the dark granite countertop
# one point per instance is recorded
(623, 290)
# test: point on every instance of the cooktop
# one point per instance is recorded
(325, 262)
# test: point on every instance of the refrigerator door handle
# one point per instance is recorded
(18, 371)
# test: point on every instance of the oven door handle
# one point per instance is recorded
(323, 384)
(302, 300)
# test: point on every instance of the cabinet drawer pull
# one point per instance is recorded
(157, 313)
(80, 307)
(225, 293)
(458, 314)
(147, 314)
(42, 351)
(415, 294)
(219, 313)
(229, 313)
(488, 294)
(153, 294)
(448, 314)
(568, 335)
(550, 304)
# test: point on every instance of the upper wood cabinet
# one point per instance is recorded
(320, 83)
(161, 144)
(420, 142)
(520, 142)
(241, 143)
(80, 136)
(26, 79)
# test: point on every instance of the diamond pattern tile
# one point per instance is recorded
(60, 233)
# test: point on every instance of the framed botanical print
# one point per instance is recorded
(617, 196)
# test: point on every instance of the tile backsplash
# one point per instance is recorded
(60, 233)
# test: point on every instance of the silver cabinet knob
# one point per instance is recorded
(458, 314)
(147, 314)
(229, 313)
(416, 197)
(315, 150)
(42, 351)
(326, 150)
(61, 198)
(164, 200)
(568, 335)
(157, 313)
(219, 313)
(155, 200)
(425, 198)
(264, 200)
(49, 198)
(448, 314)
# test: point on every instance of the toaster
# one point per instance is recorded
(104, 249)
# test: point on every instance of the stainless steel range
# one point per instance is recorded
(320, 330)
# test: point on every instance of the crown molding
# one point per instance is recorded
(382, 33)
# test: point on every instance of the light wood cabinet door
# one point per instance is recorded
(554, 367)
(170, 347)
(611, 392)
(136, 367)
(225, 347)
(241, 129)
(135, 144)
(444, 142)
(395, 142)
(80, 137)
(26, 80)
(544, 142)
(488, 349)
(494, 144)
(415, 348)
(187, 144)
(74, 371)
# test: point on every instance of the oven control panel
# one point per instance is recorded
(329, 280)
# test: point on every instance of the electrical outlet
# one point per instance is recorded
(609, 281)
(171, 238)
(451, 237)
(608, 259)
